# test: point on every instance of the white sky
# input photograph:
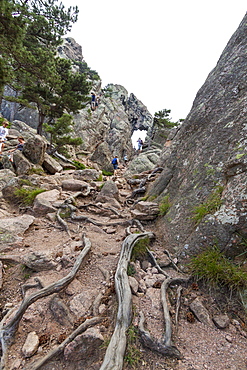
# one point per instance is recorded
(160, 50)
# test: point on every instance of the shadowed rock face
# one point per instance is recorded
(208, 151)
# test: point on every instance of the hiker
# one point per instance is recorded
(93, 101)
(115, 164)
(125, 158)
(3, 133)
(18, 147)
(140, 144)
(97, 101)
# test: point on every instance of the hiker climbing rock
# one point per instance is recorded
(97, 101)
(140, 144)
(19, 146)
(115, 164)
(93, 101)
(3, 133)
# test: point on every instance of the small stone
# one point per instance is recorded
(110, 230)
(31, 344)
(133, 284)
(102, 308)
(229, 338)
(221, 321)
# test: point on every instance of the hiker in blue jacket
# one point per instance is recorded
(140, 144)
(115, 164)
(93, 101)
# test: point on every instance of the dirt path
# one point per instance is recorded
(53, 318)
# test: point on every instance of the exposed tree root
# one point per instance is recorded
(59, 349)
(171, 260)
(113, 359)
(168, 334)
(164, 286)
(155, 345)
(62, 223)
(25, 287)
(132, 182)
(137, 191)
(164, 347)
(97, 223)
(158, 169)
(179, 291)
(7, 330)
(72, 198)
(10, 258)
(138, 225)
(150, 253)
(113, 210)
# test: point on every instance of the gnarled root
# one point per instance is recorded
(115, 351)
(7, 331)
(83, 327)
(155, 345)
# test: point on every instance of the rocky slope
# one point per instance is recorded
(206, 160)
(40, 245)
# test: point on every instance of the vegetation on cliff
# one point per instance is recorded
(30, 33)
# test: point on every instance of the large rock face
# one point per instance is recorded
(208, 154)
(106, 131)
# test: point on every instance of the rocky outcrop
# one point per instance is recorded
(106, 131)
(32, 157)
(207, 156)
(70, 49)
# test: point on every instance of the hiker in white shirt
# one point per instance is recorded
(3, 133)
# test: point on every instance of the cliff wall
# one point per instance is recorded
(207, 160)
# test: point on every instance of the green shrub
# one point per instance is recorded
(27, 196)
(26, 272)
(130, 270)
(36, 171)
(25, 182)
(209, 206)
(100, 178)
(164, 205)
(140, 249)
(66, 213)
(238, 156)
(144, 198)
(133, 354)
(213, 267)
(79, 165)
(107, 173)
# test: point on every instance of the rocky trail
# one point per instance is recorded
(71, 325)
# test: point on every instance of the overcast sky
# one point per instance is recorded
(161, 50)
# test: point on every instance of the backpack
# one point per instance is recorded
(114, 161)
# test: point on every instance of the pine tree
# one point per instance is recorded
(30, 33)
(60, 132)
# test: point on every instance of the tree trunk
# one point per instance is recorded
(40, 124)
